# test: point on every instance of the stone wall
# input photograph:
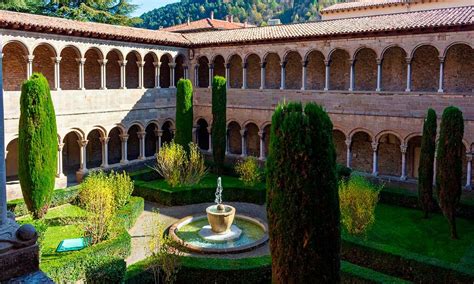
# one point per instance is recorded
(365, 66)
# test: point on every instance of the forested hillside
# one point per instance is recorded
(256, 12)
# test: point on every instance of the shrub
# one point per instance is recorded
(97, 197)
(358, 199)
(449, 163)
(426, 167)
(248, 171)
(219, 119)
(179, 168)
(122, 186)
(38, 142)
(184, 113)
(343, 172)
(302, 196)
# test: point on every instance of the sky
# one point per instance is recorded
(147, 5)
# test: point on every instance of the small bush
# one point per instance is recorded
(97, 197)
(122, 188)
(358, 199)
(249, 171)
(179, 168)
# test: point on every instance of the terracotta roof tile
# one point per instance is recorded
(206, 24)
(460, 16)
(363, 4)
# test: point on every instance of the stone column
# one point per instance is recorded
(303, 75)
(124, 139)
(469, 171)
(103, 74)
(244, 76)
(83, 155)
(195, 134)
(351, 75)
(403, 150)
(244, 150)
(196, 75)
(283, 75)
(141, 141)
(57, 73)
(172, 75)
(327, 63)
(141, 65)
(262, 75)
(227, 75)
(441, 74)
(262, 148)
(29, 66)
(59, 171)
(123, 74)
(348, 152)
(159, 134)
(408, 61)
(375, 146)
(157, 74)
(210, 141)
(105, 152)
(82, 62)
(379, 75)
(211, 75)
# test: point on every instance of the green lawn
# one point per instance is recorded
(406, 229)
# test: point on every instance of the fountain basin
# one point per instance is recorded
(220, 217)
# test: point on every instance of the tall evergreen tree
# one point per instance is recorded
(449, 164)
(302, 196)
(426, 167)
(184, 113)
(38, 142)
(219, 119)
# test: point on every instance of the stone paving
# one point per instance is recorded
(143, 227)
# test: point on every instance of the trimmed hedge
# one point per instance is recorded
(128, 214)
(184, 113)
(402, 263)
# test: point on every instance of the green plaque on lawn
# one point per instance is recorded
(72, 245)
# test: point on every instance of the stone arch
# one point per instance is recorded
(272, 71)
(252, 140)
(413, 142)
(179, 67)
(92, 74)
(94, 148)
(315, 70)
(11, 160)
(361, 149)
(202, 135)
(459, 68)
(69, 68)
(235, 71)
(394, 70)
(151, 139)
(425, 69)
(339, 139)
(114, 148)
(43, 61)
(389, 154)
(253, 71)
(168, 134)
(14, 66)
(149, 75)
(293, 73)
(113, 69)
(203, 72)
(71, 152)
(165, 72)
(219, 65)
(131, 70)
(339, 70)
(133, 142)
(234, 138)
(365, 69)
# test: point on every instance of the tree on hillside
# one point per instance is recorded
(302, 196)
(426, 167)
(38, 142)
(184, 113)
(449, 164)
(219, 119)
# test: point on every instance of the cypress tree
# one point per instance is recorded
(302, 196)
(38, 142)
(219, 105)
(426, 169)
(184, 113)
(449, 163)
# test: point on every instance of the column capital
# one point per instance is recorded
(227, 65)
(102, 61)
(140, 63)
(172, 65)
(263, 64)
(81, 60)
(469, 157)
(141, 134)
(30, 58)
(375, 146)
(57, 59)
(283, 64)
(159, 133)
(441, 59)
(379, 61)
(245, 65)
(211, 66)
(408, 60)
(260, 134)
(305, 63)
(82, 143)
(351, 61)
(122, 62)
(104, 140)
(60, 147)
(124, 137)
(157, 64)
(403, 148)
(327, 62)
(242, 132)
(348, 142)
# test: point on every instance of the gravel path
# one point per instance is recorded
(143, 227)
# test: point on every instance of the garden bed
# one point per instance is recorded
(234, 190)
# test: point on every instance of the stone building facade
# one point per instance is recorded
(114, 89)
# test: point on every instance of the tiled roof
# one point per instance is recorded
(206, 24)
(361, 4)
(460, 16)
(39, 23)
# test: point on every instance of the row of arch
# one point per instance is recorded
(424, 69)
(69, 69)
